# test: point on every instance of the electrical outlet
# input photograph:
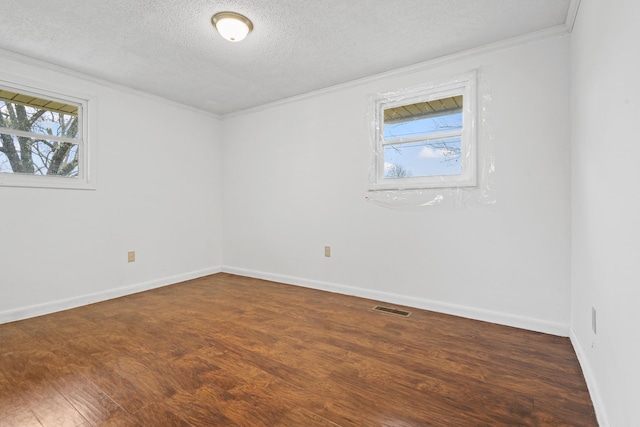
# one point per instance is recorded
(327, 251)
(593, 320)
(131, 256)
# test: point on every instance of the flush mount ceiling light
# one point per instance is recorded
(232, 26)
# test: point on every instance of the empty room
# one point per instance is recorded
(334, 213)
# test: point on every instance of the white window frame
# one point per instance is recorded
(464, 85)
(85, 180)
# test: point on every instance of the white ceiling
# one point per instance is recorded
(169, 48)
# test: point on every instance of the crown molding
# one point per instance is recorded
(572, 14)
(28, 60)
(534, 37)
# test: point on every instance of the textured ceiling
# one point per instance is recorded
(169, 48)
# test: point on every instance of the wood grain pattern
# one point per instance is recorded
(226, 350)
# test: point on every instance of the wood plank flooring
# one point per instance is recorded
(226, 350)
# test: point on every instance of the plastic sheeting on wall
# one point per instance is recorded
(448, 191)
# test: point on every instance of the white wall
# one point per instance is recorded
(605, 101)
(158, 193)
(295, 178)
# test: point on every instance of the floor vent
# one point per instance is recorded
(392, 311)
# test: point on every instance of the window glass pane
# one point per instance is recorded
(33, 156)
(38, 115)
(423, 118)
(423, 158)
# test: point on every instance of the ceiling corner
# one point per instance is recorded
(572, 13)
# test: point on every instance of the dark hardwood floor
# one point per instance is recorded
(228, 350)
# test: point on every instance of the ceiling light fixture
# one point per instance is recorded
(232, 26)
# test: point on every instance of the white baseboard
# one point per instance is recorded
(507, 319)
(437, 306)
(65, 304)
(590, 379)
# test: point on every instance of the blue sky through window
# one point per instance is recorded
(427, 157)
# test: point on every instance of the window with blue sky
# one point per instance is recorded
(425, 137)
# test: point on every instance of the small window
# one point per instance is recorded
(43, 139)
(425, 137)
